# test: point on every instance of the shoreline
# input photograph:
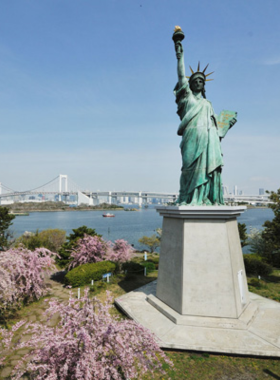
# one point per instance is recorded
(21, 212)
(68, 210)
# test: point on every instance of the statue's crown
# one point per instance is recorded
(199, 74)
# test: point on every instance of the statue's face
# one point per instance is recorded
(197, 85)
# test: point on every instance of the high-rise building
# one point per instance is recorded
(261, 191)
(235, 190)
(225, 190)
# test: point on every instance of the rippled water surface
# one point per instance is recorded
(130, 225)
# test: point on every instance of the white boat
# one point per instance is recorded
(108, 215)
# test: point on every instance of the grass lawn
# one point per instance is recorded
(268, 286)
(205, 366)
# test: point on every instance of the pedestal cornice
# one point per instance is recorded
(201, 212)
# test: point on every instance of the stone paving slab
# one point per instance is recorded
(261, 337)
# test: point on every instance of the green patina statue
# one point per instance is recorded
(201, 131)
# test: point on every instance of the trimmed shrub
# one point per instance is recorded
(256, 283)
(153, 259)
(132, 267)
(83, 274)
(150, 267)
(255, 266)
(275, 259)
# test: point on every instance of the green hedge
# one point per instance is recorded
(255, 266)
(83, 274)
(150, 267)
(132, 267)
(154, 260)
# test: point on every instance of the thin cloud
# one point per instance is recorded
(272, 61)
(263, 179)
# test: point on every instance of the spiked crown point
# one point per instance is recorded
(199, 73)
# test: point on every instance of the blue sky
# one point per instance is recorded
(86, 90)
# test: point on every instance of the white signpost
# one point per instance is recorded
(107, 276)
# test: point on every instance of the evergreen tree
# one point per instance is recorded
(5, 223)
(271, 232)
(243, 234)
(71, 243)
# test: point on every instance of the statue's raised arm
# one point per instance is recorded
(201, 131)
(178, 36)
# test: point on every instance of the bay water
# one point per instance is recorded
(127, 225)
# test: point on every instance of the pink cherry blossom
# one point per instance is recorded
(88, 343)
(22, 275)
(89, 249)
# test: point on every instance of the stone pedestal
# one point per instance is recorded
(201, 265)
(201, 300)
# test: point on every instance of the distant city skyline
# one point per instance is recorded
(226, 190)
(87, 90)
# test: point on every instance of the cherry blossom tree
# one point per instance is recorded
(88, 343)
(89, 249)
(22, 275)
(120, 253)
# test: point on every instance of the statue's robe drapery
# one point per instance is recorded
(200, 181)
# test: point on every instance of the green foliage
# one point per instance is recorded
(37, 206)
(150, 267)
(266, 243)
(108, 206)
(256, 283)
(242, 234)
(132, 267)
(152, 242)
(256, 242)
(271, 232)
(255, 266)
(83, 274)
(5, 223)
(71, 243)
(153, 259)
(51, 239)
(159, 233)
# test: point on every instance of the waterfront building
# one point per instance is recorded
(225, 190)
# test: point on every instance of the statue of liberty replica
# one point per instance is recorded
(200, 300)
(201, 132)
